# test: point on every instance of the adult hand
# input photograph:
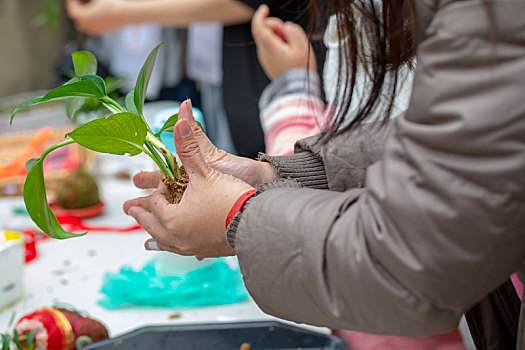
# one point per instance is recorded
(195, 226)
(245, 169)
(97, 16)
(280, 46)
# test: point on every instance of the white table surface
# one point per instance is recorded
(71, 271)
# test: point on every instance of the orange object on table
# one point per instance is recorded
(17, 148)
(16, 167)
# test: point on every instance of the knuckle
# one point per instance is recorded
(212, 175)
(216, 156)
(190, 149)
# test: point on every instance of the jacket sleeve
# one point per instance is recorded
(440, 222)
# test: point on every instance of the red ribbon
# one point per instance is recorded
(76, 223)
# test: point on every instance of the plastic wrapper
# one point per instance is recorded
(215, 283)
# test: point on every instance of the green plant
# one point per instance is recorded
(48, 15)
(22, 342)
(123, 132)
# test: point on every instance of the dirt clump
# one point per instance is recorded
(176, 187)
(78, 190)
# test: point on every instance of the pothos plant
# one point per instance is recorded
(125, 131)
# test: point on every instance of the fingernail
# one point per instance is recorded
(151, 245)
(184, 129)
(187, 103)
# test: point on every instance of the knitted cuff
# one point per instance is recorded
(303, 167)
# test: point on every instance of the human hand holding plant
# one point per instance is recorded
(280, 46)
(248, 170)
(195, 226)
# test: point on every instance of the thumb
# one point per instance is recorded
(295, 35)
(185, 111)
(188, 150)
(207, 148)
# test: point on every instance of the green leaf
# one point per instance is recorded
(119, 134)
(73, 107)
(31, 338)
(36, 201)
(11, 319)
(169, 124)
(113, 84)
(84, 62)
(31, 162)
(82, 86)
(49, 15)
(88, 89)
(129, 102)
(170, 129)
(16, 340)
(141, 85)
(5, 342)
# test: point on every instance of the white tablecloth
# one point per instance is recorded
(71, 271)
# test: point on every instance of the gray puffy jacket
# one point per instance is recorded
(406, 228)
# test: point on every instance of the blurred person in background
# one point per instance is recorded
(242, 77)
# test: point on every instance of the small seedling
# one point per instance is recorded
(125, 131)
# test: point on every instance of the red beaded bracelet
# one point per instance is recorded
(238, 205)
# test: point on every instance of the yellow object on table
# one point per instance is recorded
(11, 235)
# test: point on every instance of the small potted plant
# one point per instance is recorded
(124, 132)
(77, 195)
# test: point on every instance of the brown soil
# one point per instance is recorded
(176, 188)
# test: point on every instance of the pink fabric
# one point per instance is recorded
(290, 120)
(517, 284)
(363, 341)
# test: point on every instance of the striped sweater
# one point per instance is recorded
(291, 109)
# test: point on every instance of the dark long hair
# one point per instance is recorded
(379, 39)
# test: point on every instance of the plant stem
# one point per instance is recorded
(166, 153)
(151, 143)
(111, 104)
(54, 147)
(150, 151)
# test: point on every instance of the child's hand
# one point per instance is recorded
(280, 46)
(97, 16)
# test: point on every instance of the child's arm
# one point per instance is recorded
(291, 105)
